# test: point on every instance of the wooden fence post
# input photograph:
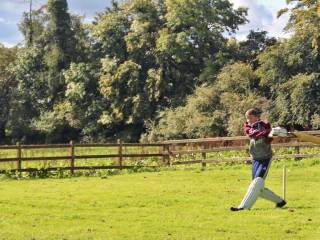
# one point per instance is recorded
(297, 151)
(166, 155)
(119, 141)
(19, 156)
(72, 157)
(204, 156)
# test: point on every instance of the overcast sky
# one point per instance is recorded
(262, 15)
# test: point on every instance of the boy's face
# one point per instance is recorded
(252, 118)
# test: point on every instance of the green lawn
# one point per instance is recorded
(170, 204)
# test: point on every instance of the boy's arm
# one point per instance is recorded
(249, 131)
(262, 131)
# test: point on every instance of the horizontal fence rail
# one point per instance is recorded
(120, 155)
(210, 150)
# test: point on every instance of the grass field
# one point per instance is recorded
(188, 203)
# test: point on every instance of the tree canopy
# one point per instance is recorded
(153, 70)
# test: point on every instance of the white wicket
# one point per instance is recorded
(284, 179)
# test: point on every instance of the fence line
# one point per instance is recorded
(168, 153)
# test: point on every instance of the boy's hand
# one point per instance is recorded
(252, 132)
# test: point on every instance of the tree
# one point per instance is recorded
(33, 23)
(297, 101)
(191, 39)
(58, 40)
(201, 116)
(82, 106)
(213, 110)
(30, 79)
(165, 47)
(109, 30)
(286, 59)
(239, 89)
(7, 84)
(304, 19)
(60, 46)
(256, 43)
(289, 69)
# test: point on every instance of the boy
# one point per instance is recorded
(261, 153)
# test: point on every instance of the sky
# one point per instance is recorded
(262, 16)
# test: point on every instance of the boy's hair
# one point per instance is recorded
(254, 111)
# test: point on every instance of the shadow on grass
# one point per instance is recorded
(286, 208)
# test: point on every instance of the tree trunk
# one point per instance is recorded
(2, 130)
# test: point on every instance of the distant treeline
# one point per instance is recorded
(152, 70)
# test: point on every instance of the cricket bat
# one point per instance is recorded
(306, 137)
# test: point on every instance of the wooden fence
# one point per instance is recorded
(118, 155)
(115, 153)
(210, 150)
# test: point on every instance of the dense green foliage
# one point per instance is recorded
(153, 70)
(281, 78)
(7, 87)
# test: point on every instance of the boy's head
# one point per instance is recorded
(253, 115)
